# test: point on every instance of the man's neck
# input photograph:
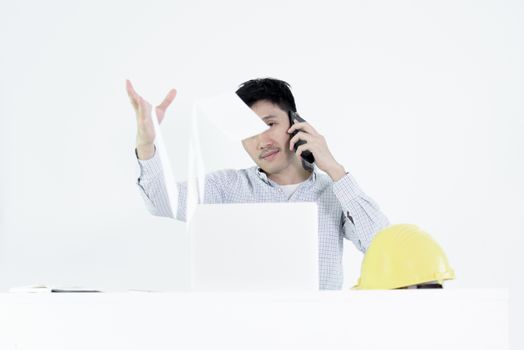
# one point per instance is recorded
(290, 176)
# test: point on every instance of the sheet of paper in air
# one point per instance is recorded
(195, 170)
(219, 124)
(231, 116)
(169, 179)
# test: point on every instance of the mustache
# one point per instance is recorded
(268, 152)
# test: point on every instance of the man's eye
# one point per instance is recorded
(271, 124)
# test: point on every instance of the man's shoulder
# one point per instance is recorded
(228, 176)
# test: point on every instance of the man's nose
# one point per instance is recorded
(265, 140)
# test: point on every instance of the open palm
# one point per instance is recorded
(145, 130)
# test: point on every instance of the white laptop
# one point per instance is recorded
(254, 247)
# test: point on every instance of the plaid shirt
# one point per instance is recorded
(344, 209)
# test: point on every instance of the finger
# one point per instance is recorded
(167, 100)
(133, 96)
(299, 136)
(308, 128)
(302, 148)
(131, 90)
(303, 126)
(160, 114)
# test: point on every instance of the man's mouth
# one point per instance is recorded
(269, 154)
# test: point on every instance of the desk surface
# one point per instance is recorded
(404, 319)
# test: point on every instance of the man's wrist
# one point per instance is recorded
(145, 152)
(337, 172)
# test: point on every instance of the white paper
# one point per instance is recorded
(225, 113)
(196, 170)
(169, 179)
(218, 126)
(231, 116)
(42, 288)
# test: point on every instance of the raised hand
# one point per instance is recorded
(145, 136)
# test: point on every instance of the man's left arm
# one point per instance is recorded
(362, 218)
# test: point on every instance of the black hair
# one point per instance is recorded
(270, 89)
(424, 286)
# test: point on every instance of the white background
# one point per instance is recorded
(421, 101)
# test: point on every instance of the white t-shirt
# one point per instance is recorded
(290, 189)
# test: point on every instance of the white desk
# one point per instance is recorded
(406, 319)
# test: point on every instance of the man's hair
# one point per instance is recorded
(270, 89)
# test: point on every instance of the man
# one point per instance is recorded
(279, 176)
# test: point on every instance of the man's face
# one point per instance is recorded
(270, 149)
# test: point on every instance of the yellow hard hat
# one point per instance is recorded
(400, 256)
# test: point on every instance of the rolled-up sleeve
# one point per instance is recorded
(361, 216)
(152, 187)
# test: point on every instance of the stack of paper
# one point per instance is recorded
(47, 289)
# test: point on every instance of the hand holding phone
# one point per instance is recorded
(307, 156)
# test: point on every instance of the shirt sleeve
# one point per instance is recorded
(361, 216)
(152, 187)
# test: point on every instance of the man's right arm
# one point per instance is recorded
(152, 187)
(151, 179)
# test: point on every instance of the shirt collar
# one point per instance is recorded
(263, 176)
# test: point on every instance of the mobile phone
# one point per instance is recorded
(307, 157)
